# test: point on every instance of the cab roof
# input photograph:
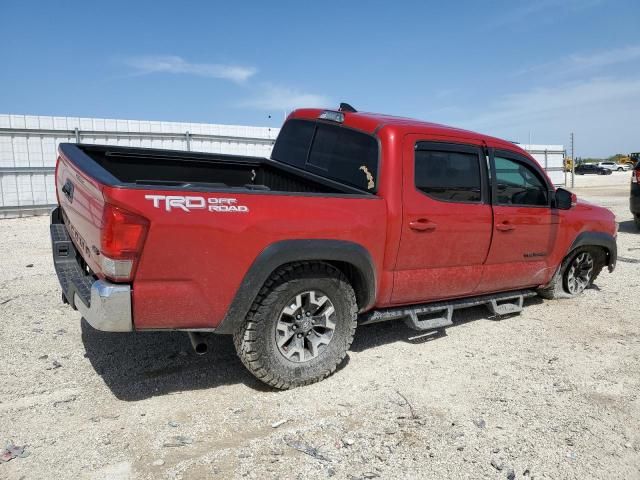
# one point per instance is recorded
(373, 122)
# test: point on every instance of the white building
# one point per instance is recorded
(28, 146)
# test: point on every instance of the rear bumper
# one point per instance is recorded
(109, 308)
(104, 305)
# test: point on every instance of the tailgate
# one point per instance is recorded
(82, 205)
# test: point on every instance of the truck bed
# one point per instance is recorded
(169, 169)
(199, 248)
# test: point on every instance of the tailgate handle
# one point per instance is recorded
(67, 189)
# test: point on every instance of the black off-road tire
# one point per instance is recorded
(557, 287)
(255, 339)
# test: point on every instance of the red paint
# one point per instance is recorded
(192, 264)
(446, 259)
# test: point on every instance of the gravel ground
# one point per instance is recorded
(551, 393)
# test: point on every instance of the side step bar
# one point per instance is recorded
(440, 314)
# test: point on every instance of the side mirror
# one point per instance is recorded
(564, 199)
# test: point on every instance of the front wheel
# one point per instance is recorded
(300, 326)
(580, 273)
(577, 273)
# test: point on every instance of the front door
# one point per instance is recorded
(446, 221)
(524, 225)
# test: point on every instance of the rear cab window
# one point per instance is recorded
(332, 151)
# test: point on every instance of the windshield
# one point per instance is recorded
(333, 151)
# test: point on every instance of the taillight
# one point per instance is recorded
(635, 176)
(121, 240)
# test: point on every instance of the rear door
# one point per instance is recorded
(524, 224)
(446, 221)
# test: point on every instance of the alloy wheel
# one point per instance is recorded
(580, 273)
(305, 326)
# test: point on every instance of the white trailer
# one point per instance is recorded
(551, 158)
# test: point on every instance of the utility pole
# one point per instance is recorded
(573, 163)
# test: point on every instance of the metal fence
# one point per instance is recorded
(28, 149)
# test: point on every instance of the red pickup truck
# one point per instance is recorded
(356, 218)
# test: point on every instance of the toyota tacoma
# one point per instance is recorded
(355, 218)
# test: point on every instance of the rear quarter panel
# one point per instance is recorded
(193, 262)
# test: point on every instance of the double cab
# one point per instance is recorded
(355, 218)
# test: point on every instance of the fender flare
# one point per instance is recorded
(289, 251)
(598, 239)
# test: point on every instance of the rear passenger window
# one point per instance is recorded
(448, 175)
(519, 184)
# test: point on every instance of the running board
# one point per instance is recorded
(440, 314)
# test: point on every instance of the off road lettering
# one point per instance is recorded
(190, 203)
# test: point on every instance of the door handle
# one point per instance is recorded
(422, 225)
(505, 227)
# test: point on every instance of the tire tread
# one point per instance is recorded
(245, 337)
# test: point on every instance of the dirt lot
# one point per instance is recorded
(552, 393)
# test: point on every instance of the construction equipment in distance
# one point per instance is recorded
(568, 164)
(631, 159)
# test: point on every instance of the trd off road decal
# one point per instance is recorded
(187, 204)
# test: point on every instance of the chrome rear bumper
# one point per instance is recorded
(110, 307)
(105, 306)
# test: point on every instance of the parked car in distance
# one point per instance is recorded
(356, 218)
(634, 199)
(592, 169)
(613, 166)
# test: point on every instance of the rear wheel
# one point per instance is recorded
(300, 326)
(577, 273)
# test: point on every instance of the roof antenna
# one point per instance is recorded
(345, 107)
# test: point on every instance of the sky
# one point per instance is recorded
(519, 70)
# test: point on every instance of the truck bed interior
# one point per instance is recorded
(184, 170)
